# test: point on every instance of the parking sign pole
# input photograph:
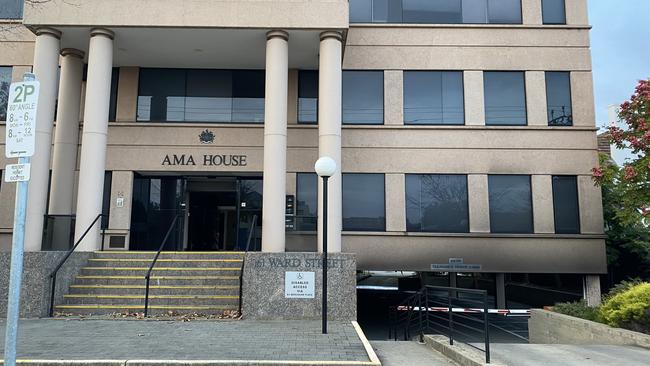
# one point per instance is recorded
(28, 96)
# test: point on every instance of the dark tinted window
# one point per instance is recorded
(432, 11)
(553, 12)
(558, 99)
(511, 208)
(436, 11)
(437, 203)
(504, 11)
(106, 198)
(201, 95)
(307, 96)
(5, 82)
(306, 201)
(11, 9)
(433, 97)
(363, 202)
(115, 79)
(565, 205)
(363, 97)
(505, 98)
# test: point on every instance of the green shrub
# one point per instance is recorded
(579, 309)
(628, 309)
(623, 286)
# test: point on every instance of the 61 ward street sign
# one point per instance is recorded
(21, 119)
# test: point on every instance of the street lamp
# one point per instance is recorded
(325, 167)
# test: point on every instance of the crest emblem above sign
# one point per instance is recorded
(206, 137)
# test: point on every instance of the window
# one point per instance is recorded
(505, 98)
(558, 99)
(11, 9)
(553, 12)
(179, 95)
(106, 198)
(436, 11)
(363, 202)
(5, 82)
(307, 96)
(433, 97)
(511, 208)
(363, 97)
(115, 79)
(306, 201)
(565, 205)
(437, 203)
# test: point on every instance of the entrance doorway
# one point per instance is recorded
(214, 213)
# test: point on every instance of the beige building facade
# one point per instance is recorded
(107, 69)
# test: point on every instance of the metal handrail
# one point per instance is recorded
(418, 305)
(251, 230)
(147, 277)
(65, 258)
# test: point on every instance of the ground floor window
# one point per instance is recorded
(437, 203)
(511, 206)
(364, 206)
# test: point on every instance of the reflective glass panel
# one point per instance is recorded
(363, 202)
(432, 11)
(11, 9)
(553, 12)
(437, 203)
(162, 95)
(360, 11)
(565, 205)
(505, 98)
(433, 97)
(209, 96)
(504, 11)
(511, 208)
(307, 96)
(363, 97)
(248, 96)
(475, 11)
(306, 201)
(558, 99)
(5, 82)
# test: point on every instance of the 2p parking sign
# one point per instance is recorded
(20, 134)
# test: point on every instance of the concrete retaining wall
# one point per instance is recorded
(546, 327)
(35, 293)
(264, 286)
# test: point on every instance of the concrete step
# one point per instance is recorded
(159, 280)
(160, 271)
(125, 254)
(139, 308)
(166, 300)
(165, 262)
(232, 290)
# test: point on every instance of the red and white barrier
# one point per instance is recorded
(504, 312)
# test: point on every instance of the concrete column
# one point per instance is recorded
(94, 137)
(46, 66)
(591, 290)
(591, 206)
(531, 12)
(395, 202)
(582, 98)
(479, 205)
(474, 98)
(536, 98)
(329, 135)
(275, 141)
(127, 94)
(500, 282)
(577, 12)
(66, 138)
(394, 97)
(543, 214)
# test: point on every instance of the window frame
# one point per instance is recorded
(548, 117)
(532, 206)
(433, 231)
(442, 72)
(383, 175)
(577, 213)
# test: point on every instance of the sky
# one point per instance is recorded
(620, 46)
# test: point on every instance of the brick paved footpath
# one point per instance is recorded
(90, 339)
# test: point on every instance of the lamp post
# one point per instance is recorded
(325, 167)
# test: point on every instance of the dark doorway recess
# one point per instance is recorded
(212, 221)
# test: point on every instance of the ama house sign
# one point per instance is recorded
(205, 137)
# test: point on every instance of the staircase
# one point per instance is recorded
(205, 283)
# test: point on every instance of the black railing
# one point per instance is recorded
(147, 277)
(466, 317)
(251, 231)
(65, 258)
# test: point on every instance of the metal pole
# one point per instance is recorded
(486, 320)
(16, 272)
(324, 316)
(451, 321)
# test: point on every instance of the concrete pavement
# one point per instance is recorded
(569, 355)
(393, 353)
